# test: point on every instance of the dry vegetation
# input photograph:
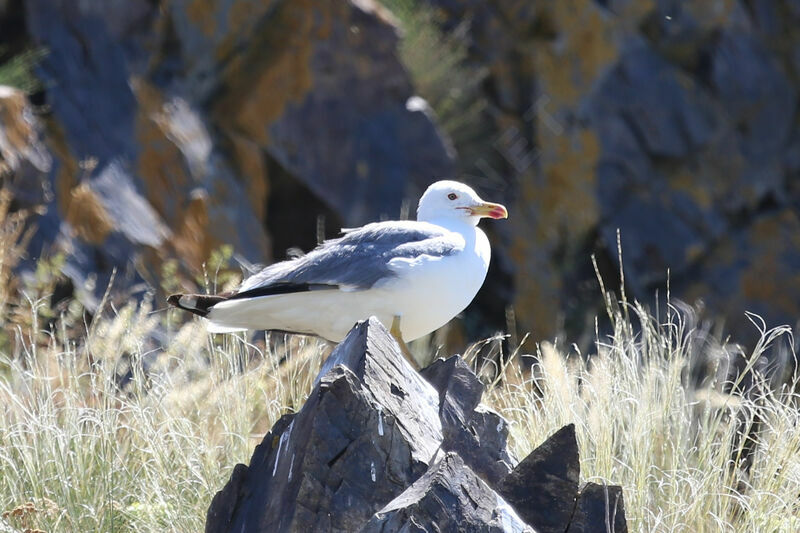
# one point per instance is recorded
(107, 428)
(690, 458)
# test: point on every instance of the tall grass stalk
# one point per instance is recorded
(693, 459)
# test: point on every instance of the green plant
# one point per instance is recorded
(18, 70)
(444, 77)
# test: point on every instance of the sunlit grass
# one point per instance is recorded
(121, 433)
(114, 437)
(689, 459)
(131, 423)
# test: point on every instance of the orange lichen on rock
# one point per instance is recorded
(585, 48)
(14, 130)
(159, 161)
(88, 217)
(538, 305)
(698, 190)
(203, 14)
(19, 138)
(272, 73)
(752, 270)
(563, 202)
(769, 278)
(236, 21)
(68, 170)
(191, 238)
(711, 14)
(566, 198)
(248, 158)
(559, 190)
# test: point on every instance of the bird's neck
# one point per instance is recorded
(462, 225)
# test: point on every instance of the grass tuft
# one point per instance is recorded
(689, 457)
(123, 438)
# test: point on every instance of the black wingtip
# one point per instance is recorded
(199, 304)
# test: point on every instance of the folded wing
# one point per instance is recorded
(356, 261)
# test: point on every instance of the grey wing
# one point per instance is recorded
(355, 261)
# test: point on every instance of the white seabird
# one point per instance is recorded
(414, 276)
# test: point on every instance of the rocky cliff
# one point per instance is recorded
(675, 122)
(171, 128)
(166, 128)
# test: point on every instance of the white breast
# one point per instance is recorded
(429, 292)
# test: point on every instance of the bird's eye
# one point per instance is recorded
(452, 196)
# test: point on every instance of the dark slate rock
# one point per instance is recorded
(646, 111)
(731, 279)
(600, 509)
(382, 136)
(350, 129)
(476, 433)
(226, 503)
(459, 388)
(103, 135)
(543, 486)
(484, 445)
(364, 454)
(368, 430)
(753, 88)
(373, 355)
(449, 497)
(137, 89)
(657, 101)
(86, 76)
(644, 224)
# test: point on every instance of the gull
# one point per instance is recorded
(413, 276)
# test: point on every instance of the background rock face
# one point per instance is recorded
(673, 121)
(167, 128)
(170, 125)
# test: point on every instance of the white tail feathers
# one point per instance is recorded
(214, 327)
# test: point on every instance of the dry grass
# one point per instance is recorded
(109, 427)
(114, 435)
(119, 438)
(693, 459)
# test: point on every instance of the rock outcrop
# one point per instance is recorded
(543, 485)
(478, 435)
(377, 447)
(448, 497)
(22, 152)
(369, 429)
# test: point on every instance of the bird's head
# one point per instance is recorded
(452, 200)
